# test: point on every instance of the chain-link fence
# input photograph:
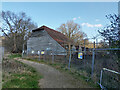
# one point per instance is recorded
(107, 58)
(85, 61)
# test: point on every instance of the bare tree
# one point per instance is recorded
(16, 27)
(112, 34)
(73, 32)
(112, 31)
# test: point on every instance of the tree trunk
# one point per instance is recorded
(14, 46)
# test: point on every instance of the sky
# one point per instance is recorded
(89, 15)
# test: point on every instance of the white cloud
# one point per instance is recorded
(74, 18)
(91, 25)
(79, 17)
(98, 25)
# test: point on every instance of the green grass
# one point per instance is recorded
(27, 79)
(64, 68)
(22, 81)
(12, 56)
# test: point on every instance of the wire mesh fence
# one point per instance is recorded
(107, 59)
(109, 78)
(87, 62)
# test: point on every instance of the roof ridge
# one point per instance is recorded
(51, 29)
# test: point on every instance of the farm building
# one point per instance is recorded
(47, 39)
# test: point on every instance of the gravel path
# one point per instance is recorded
(53, 78)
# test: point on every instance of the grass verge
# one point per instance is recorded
(19, 75)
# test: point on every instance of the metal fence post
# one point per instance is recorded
(44, 55)
(101, 77)
(39, 55)
(69, 60)
(93, 59)
(101, 80)
(84, 51)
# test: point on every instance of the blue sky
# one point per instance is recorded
(90, 15)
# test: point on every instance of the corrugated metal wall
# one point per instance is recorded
(40, 40)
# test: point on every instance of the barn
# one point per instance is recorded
(47, 39)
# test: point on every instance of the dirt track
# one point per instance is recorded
(52, 78)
